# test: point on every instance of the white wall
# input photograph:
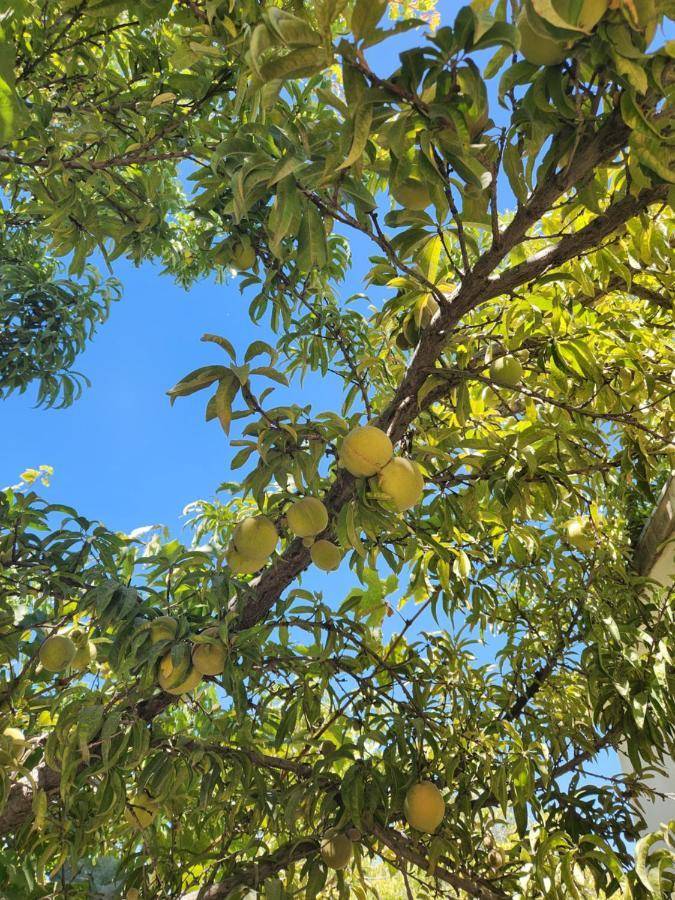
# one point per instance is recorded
(658, 562)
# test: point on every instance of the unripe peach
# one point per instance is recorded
(402, 481)
(56, 653)
(307, 517)
(15, 741)
(140, 811)
(84, 655)
(412, 194)
(336, 849)
(255, 537)
(424, 807)
(326, 555)
(163, 628)
(579, 533)
(365, 451)
(507, 371)
(209, 659)
(537, 49)
(243, 565)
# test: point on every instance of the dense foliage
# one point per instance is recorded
(522, 360)
(45, 318)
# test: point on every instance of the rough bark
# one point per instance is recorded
(19, 806)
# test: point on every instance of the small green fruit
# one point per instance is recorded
(424, 807)
(255, 537)
(506, 371)
(402, 341)
(187, 678)
(326, 556)
(537, 49)
(175, 666)
(365, 451)
(307, 517)
(163, 628)
(496, 858)
(411, 332)
(209, 659)
(579, 533)
(185, 687)
(402, 481)
(140, 811)
(56, 653)
(243, 565)
(336, 849)
(15, 740)
(412, 194)
(243, 255)
(84, 655)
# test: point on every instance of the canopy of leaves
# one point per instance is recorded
(45, 318)
(519, 653)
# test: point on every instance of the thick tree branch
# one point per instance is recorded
(618, 285)
(576, 243)
(478, 288)
(19, 806)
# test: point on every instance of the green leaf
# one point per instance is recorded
(634, 117)
(462, 565)
(648, 875)
(362, 121)
(292, 30)
(518, 73)
(365, 16)
(653, 155)
(222, 342)
(196, 381)
(633, 71)
(500, 34)
(353, 792)
(513, 167)
(286, 214)
(296, 64)
(223, 399)
(12, 111)
(547, 10)
(352, 532)
(312, 251)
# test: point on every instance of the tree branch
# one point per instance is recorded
(576, 243)
(255, 873)
(404, 849)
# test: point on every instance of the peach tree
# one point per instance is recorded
(209, 719)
